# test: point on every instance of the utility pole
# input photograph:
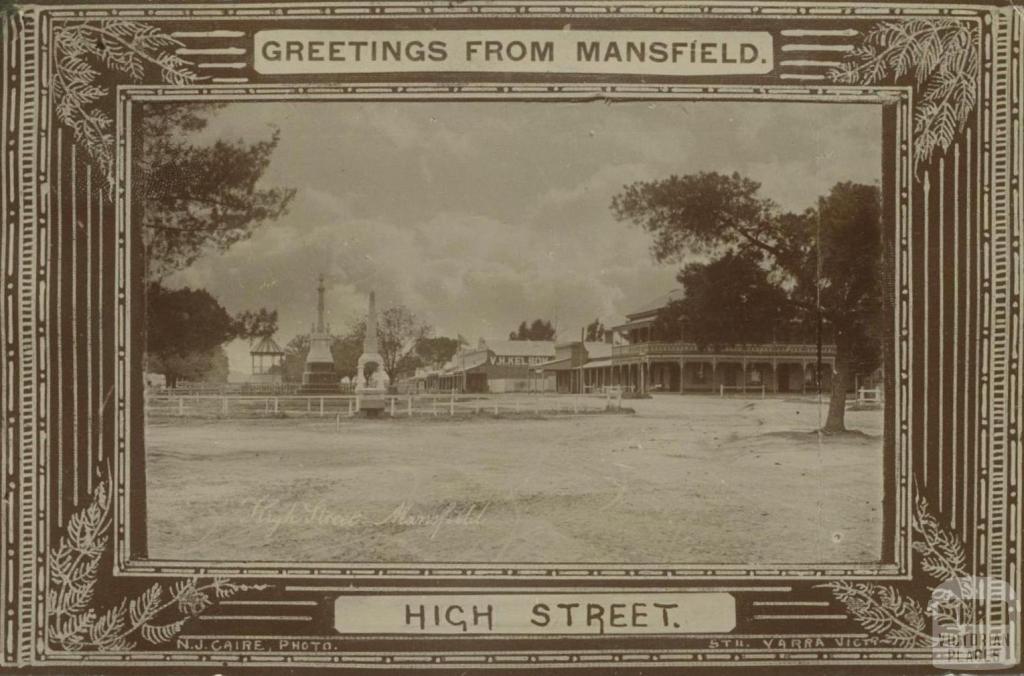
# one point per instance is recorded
(817, 286)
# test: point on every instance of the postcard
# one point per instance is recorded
(542, 335)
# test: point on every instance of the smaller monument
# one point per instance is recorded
(319, 376)
(370, 377)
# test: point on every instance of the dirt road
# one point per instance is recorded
(687, 479)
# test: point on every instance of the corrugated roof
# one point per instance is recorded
(522, 348)
(657, 303)
(266, 346)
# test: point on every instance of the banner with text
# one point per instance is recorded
(690, 53)
(554, 613)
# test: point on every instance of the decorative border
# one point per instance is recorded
(25, 333)
(74, 566)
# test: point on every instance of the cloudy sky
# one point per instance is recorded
(480, 215)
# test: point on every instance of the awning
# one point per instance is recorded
(598, 363)
(555, 365)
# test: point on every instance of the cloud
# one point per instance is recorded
(479, 215)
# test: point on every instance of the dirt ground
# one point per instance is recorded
(687, 479)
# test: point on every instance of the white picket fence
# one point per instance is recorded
(742, 389)
(869, 395)
(407, 405)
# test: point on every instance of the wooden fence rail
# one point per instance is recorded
(408, 405)
(743, 389)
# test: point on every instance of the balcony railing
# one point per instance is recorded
(690, 349)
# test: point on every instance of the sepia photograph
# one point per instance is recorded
(567, 336)
(640, 332)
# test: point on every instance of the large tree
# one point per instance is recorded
(193, 195)
(187, 328)
(729, 300)
(184, 327)
(835, 279)
(398, 332)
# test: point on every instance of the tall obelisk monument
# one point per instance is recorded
(319, 376)
(370, 388)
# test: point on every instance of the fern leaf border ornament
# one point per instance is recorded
(941, 58)
(82, 51)
(899, 620)
(154, 616)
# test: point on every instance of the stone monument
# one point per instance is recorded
(319, 376)
(370, 377)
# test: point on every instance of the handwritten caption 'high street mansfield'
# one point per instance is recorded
(281, 52)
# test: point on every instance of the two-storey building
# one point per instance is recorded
(640, 362)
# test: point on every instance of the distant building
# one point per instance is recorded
(635, 360)
(493, 366)
(578, 366)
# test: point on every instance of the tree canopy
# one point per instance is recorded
(729, 300)
(436, 352)
(766, 265)
(398, 332)
(539, 329)
(595, 331)
(195, 195)
(259, 323)
(184, 328)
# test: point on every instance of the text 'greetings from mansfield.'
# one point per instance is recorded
(696, 53)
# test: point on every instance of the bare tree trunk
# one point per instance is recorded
(836, 421)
